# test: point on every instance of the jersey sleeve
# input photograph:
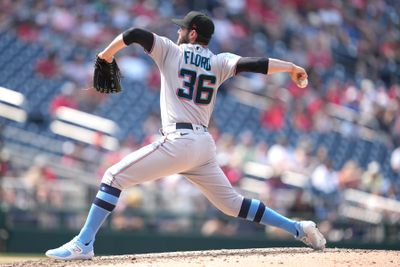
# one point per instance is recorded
(227, 65)
(162, 48)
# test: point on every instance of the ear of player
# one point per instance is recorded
(107, 76)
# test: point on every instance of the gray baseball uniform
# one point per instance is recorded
(190, 77)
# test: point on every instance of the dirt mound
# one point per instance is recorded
(243, 258)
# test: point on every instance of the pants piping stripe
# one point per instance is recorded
(139, 159)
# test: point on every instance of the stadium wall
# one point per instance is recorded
(115, 243)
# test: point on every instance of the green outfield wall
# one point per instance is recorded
(114, 243)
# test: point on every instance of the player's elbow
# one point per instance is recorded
(139, 36)
(131, 35)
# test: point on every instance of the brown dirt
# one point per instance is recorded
(243, 258)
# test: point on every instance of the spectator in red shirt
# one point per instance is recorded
(273, 118)
(6, 166)
(65, 99)
(27, 31)
(302, 119)
(47, 67)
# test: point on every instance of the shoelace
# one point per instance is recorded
(69, 244)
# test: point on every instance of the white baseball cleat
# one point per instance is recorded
(73, 250)
(312, 236)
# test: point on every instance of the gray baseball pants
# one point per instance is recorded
(191, 153)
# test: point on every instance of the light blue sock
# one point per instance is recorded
(273, 218)
(105, 201)
(255, 210)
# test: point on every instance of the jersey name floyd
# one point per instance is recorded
(197, 60)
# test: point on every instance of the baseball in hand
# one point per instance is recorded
(302, 83)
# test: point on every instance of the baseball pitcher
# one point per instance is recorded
(190, 77)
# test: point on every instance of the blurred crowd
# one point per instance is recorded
(350, 62)
(173, 204)
(351, 50)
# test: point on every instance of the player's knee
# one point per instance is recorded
(232, 207)
(229, 211)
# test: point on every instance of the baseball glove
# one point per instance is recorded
(107, 76)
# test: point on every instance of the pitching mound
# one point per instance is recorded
(243, 258)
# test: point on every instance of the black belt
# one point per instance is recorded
(186, 125)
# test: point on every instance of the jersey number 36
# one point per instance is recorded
(204, 89)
